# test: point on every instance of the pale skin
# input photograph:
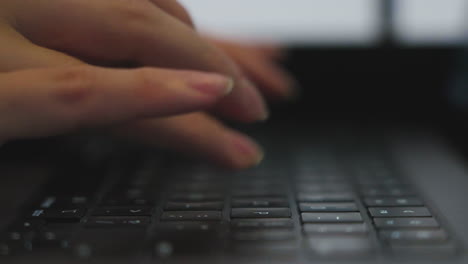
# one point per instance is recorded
(58, 74)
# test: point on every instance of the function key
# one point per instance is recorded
(405, 222)
(331, 217)
(328, 207)
(260, 213)
(392, 201)
(399, 211)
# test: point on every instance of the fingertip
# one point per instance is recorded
(250, 107)
(244, 152)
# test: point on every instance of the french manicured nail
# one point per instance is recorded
(254, 102)
(213, 84)
(247, 152)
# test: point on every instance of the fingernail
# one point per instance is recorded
(213, 84)
(254, 102)
(247, 152)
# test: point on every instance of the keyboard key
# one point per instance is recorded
(68, 214)
(53, 239)
(119, 201)
(325, 197)
(429, 235)
(405, 222)
(113, 222)
(259, 202)
(260, 213)
(383, 182)
(262, 223)
(28, 225)
(186, 226)
(123, 244)
(339, 246)
(399, 211)
(186, 240)
(353, 229)
(193, 206)
(191, 216)
(64, 201)
(16, 244)
(392, 201)
(247, 193)
(195, 197)
(284, 251)
(330, 217)
(386, 192)
(328, 207)
(195, 187)
(263, 235)
(321, 188)
(123, 211)
(423, 250)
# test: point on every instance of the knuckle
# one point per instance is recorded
(74, 94)
(134, 14)
(147, 83)
(75, 85)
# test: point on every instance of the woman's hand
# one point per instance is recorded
(157, 33)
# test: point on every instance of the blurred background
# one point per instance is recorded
(403, 61)
(334, 22)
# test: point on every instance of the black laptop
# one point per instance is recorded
(368, 166)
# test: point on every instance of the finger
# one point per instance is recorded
(16, 52)
(271, 51)
(175, 9)
(152, 38)
(273, 81)
(183, 48)
(44, 102)
(199, 134)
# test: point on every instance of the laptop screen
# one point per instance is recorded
(333, 22)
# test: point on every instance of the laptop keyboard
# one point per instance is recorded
(311, 205)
